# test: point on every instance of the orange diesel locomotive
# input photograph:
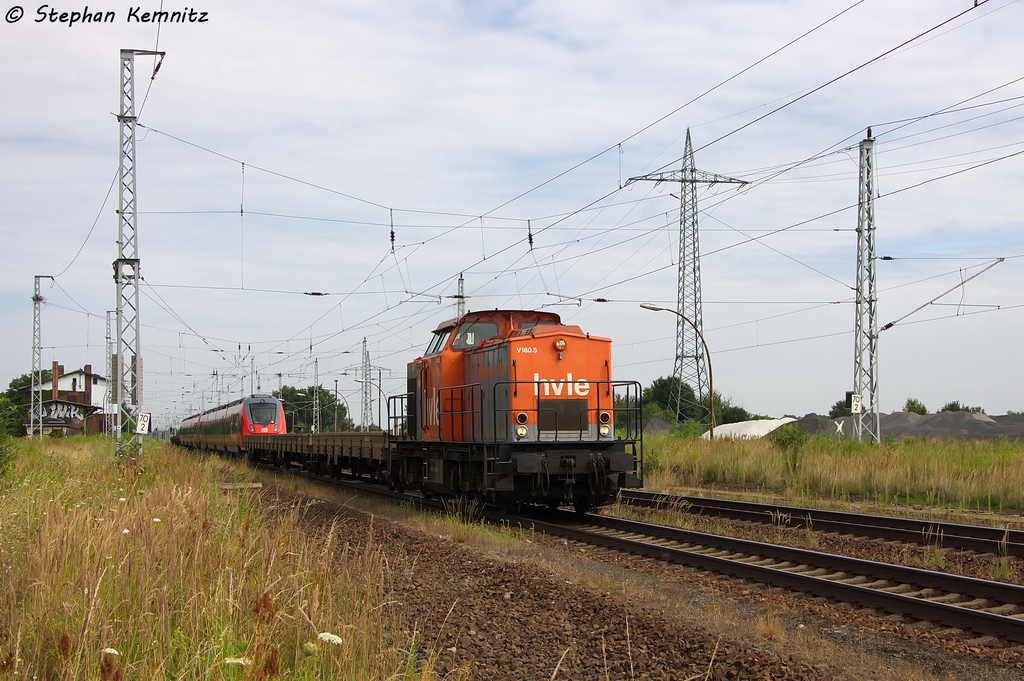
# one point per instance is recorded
(513, 406)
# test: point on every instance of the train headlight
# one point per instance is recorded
(560, 344)
(604, 417)
(606, 431)
(521, 431)
(522, 418)
(252, 428)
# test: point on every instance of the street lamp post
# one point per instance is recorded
(382, 398)
(707, 353)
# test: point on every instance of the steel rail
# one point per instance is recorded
(838, 578)
(833, 584)
(1003, 542)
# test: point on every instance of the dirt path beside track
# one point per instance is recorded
(549, 609)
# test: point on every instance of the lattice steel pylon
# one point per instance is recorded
(690, 367)
(316, 396)
(461, 297)
(865, 343)
(35, 412)
(108, 399)
(366, 391)
(127, 378)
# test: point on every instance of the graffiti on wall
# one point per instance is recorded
(62, 411)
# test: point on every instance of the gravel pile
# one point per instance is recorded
(949, 424)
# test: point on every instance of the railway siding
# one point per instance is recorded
(998, 541)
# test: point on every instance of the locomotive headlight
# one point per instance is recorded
(252, 428)
(521, 431)
(604, 417)
(560, 344)
(606, 431)
(522, 418)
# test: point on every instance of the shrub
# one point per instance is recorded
(790, 440)
(839, 410)
(6, 454)
(913, 406)
(956, 406)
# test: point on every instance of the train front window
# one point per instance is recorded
(437, 342)
(474, 333)
(263, 414)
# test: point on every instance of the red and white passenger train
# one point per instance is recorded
(508, 406)
(224, 428)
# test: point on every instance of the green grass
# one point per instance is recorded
(985, 475)
(182, 579)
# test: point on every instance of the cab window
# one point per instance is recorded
(474, 333)
(263, 414)
(438, 341)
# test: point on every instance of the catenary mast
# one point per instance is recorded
(866, 421)
(35, 419)
(127, 377)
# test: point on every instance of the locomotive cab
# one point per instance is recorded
(514, 405)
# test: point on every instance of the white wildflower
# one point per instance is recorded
(122, 499)
(329, 638)
(237, 660)
(156, 520)
(124, 531)
(110, 651)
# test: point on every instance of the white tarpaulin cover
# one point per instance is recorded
(748, 429)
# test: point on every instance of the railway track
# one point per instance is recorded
(972, 605)
(999, 542)
(980, 606)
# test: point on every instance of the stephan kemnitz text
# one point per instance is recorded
(135, 15)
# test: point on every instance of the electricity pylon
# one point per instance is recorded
(690, 367)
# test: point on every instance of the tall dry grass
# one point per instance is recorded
(123, 570)
(986, 475)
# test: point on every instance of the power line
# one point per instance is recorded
(818, 88)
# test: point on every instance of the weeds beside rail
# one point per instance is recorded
(112, 570)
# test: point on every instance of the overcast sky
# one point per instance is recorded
(470, 125)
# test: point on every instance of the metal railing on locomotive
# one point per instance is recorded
(461, 412)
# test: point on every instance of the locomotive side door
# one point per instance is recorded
(427, 372)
